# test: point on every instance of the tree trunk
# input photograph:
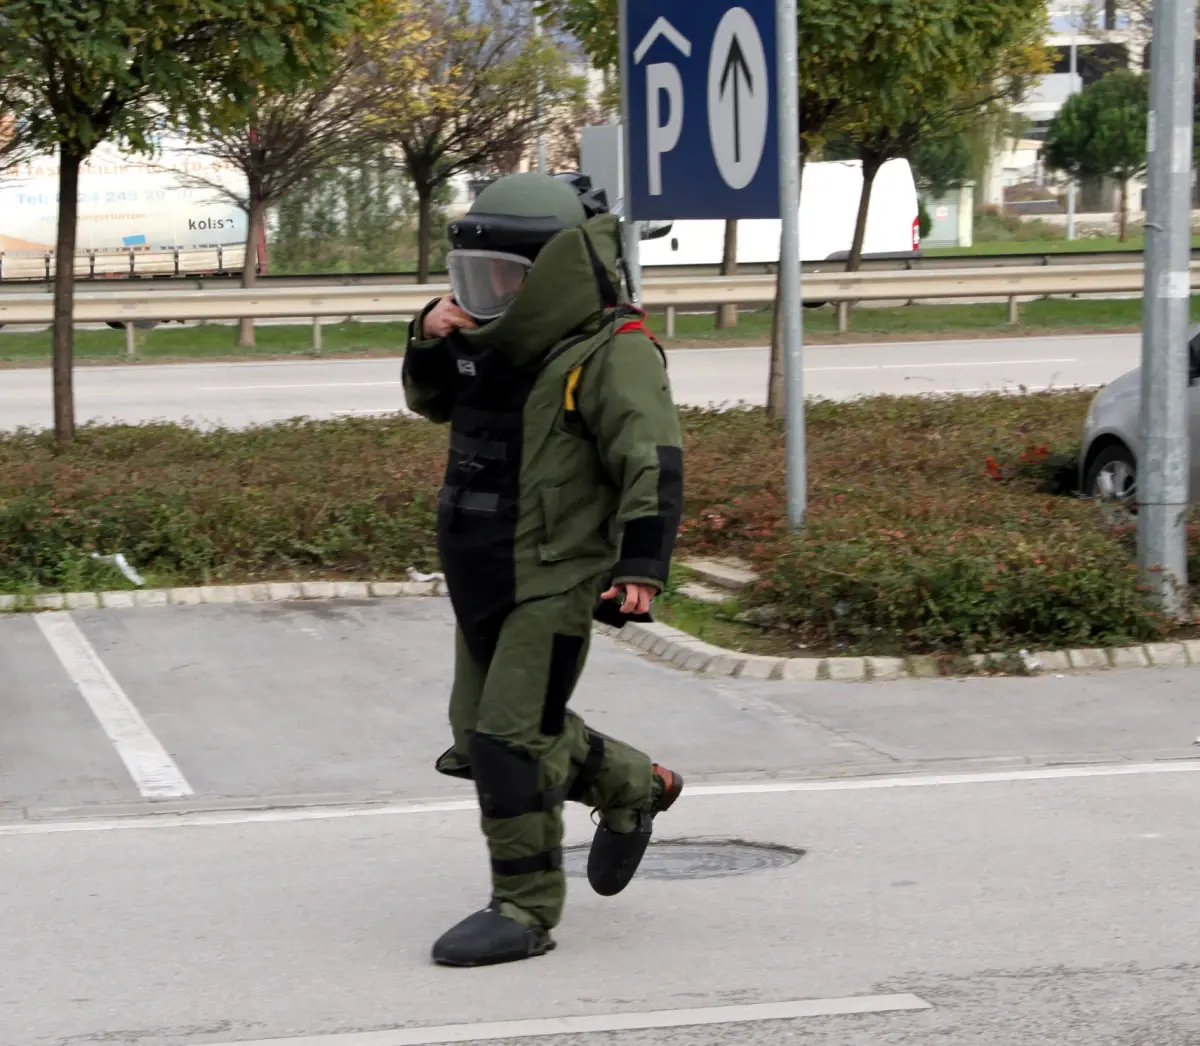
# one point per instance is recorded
(776, 393)
(245, 338)
(727, 315)
(64, 294)
(870, 169)
(424, 229)
(1124, 219)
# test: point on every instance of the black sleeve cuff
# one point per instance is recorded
(416, 325)
(643, 539)
(649, 568)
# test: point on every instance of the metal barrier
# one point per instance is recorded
(669, 293)
(114, 273)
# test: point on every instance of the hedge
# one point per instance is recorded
(935, 524)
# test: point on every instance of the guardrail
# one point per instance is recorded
(667, 293)
(172, 276)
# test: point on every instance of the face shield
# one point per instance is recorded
(486, 282)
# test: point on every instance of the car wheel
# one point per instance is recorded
(1112, 479)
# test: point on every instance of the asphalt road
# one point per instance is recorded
(959, 883)
(250, 393)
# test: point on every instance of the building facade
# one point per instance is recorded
(1104, 35)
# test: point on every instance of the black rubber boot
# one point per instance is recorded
(615, 856)
(488, 938)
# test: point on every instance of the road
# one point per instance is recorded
(958, 882)
(250, 393)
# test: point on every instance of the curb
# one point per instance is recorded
(670, 646)
(223, 595)
(684, 651)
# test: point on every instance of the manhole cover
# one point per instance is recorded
(685, 860)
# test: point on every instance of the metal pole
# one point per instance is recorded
(633, 259)
(1163, 471)
(632, 241)
(1071, 187)
(790, 298)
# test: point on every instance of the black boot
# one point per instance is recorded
(487, 938)
(614, 858)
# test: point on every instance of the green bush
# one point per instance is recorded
(934, 524)
(925, 221)
(993, 227)
(346, 498)
(979, 590)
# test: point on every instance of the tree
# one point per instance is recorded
(15, 147)
(1101, 131)
(357, 217)
(289, 137)
(928, 68)
(594, 23)
(942, 162)
(75, 73)
(469, 82)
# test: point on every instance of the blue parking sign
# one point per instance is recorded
(699, 85)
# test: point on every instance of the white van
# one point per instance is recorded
(829, 197)
(134, 211)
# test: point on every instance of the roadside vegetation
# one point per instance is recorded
(936, 525)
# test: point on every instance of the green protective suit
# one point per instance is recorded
(565, 475)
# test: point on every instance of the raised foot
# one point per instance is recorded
(614, 858)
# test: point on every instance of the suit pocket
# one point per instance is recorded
(577, 522)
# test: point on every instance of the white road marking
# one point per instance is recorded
(604, 1022)
(213, 818)
(1013, 390)
(306, 385)
(152, 770)
(938, 365)
(385, 410)
(929, 366)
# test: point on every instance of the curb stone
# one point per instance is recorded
(681, 650)
(677, 649)
(225, 595)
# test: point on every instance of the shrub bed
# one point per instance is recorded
(934, 524)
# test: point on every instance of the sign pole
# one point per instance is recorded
(631, 241)
(1163, 472)
(791, 326)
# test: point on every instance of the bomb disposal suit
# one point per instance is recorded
(564, 485)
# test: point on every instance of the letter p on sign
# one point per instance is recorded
(662, 78)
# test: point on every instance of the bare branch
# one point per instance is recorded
(294, 136)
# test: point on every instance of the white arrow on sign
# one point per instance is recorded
(738, 93)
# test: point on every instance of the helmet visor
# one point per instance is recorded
(486, 282)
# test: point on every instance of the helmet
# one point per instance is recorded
(495, 244)
(595, 201)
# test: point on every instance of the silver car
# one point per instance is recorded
(1109, 454)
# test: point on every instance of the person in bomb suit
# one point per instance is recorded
(561, 503)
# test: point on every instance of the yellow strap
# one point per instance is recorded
(572, 385)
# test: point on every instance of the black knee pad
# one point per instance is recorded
(508, 780)
(589, 769)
